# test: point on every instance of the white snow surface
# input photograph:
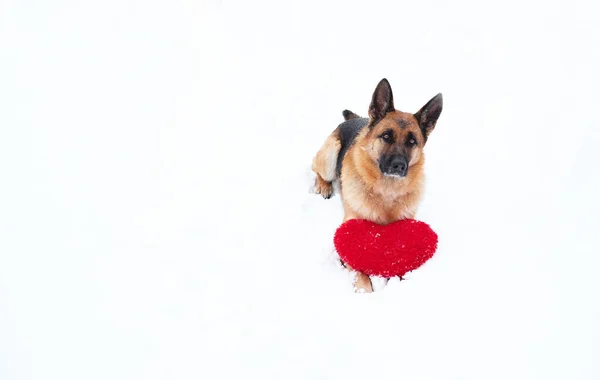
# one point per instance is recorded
(155, 214)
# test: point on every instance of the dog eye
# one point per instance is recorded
(386, 136)
(411, 141)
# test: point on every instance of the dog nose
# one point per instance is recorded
(398, 165)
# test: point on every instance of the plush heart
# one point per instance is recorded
(387, 251)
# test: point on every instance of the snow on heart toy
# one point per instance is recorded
(385, 250)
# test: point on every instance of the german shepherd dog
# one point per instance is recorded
(377, 162)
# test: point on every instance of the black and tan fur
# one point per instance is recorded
(377, 161)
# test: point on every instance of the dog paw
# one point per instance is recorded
(362, 283)
(324, 188)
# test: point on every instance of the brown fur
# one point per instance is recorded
(324, 165)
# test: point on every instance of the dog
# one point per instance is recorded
(377, 162)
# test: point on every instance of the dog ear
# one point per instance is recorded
(429, 114)
(382, 102)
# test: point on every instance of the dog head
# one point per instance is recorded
(396, 139)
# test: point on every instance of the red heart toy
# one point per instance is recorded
(387, 251)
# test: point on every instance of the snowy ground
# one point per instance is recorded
(155, 219)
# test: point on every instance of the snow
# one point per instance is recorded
(155, 214)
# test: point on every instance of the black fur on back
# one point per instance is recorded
(349, 115)
(347, 132)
